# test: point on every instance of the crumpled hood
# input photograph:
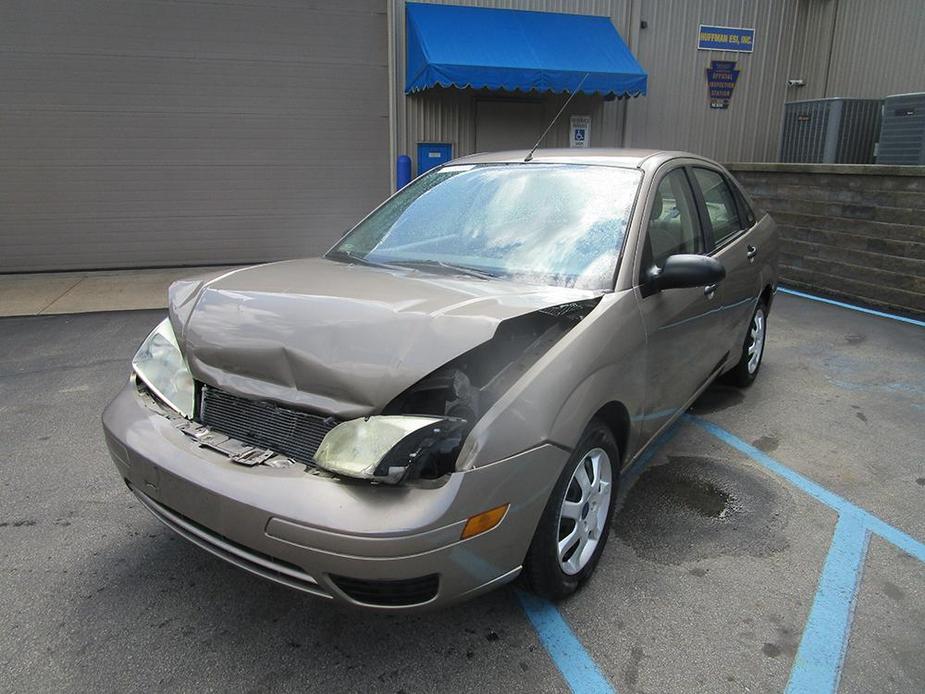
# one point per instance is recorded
(336, 338)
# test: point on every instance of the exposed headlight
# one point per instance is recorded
(161, 366)
(391, 448)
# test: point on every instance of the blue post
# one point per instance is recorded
(402, 171)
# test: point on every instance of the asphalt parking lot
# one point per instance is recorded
(708, 584)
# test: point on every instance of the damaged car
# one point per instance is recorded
(447, 399)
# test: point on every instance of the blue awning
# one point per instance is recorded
(454, 46)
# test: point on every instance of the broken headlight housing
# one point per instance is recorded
(391, 448)
(161, 367)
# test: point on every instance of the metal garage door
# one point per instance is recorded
(152, 133)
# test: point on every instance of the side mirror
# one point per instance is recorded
(685, 270)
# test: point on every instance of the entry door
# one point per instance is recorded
(502, 125)
(685, 341)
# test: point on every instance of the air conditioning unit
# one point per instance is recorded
(830, 131)
(902, 133)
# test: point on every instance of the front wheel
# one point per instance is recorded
(745, 372)
(575, 524)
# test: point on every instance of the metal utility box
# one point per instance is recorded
(830, 131)
(431, 154)
(902, 130)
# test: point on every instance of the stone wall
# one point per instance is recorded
(855, 232)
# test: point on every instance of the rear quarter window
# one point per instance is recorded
(745, 209)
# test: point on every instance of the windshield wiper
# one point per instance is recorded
(364, 261)
(462, 269)
(405, 264)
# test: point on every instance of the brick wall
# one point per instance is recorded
(850, 231)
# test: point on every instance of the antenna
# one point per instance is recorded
(553, 121)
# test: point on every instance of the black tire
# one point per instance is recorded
(743, 374)
(543, 573)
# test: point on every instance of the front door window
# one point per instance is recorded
(673, 227)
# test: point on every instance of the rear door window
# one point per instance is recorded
(722, 214)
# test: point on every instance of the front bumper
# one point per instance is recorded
(350, 542)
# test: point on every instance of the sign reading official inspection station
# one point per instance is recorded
(713, 38)
(721, 78)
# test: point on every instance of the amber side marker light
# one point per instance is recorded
(484, 521)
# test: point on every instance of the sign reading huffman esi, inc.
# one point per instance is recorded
(739, 39)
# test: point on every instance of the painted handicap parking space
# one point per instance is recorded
(768, 609)
(819, 660)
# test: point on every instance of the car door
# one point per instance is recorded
(681, 325)
(727, 226)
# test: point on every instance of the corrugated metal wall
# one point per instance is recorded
(853, 48)
(157, 132)
(676, 112)
(879, 48)
(448, 115)
(860, 49)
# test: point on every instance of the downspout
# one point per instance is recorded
(631, 34)
(393, 106)
(828, 62)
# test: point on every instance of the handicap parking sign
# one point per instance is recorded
(580, 128)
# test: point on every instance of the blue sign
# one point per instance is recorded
(725, 39)
(433, 154)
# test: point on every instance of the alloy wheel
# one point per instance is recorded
(756, 340)
(584, 510)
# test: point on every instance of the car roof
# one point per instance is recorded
(602, 156)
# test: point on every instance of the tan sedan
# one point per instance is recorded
(447, 398)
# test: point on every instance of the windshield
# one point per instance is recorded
(551, 224)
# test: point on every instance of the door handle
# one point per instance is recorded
(709, 291)
(751, 252)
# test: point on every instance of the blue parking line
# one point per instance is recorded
(896, 537)
(818, 663)
(576, 665)
(853, 307)
(817, 491)
(578, 668)
(630, 474)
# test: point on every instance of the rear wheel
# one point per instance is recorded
(745, 372)
(575, 525)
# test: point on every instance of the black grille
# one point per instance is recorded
(407, 591)
(284, 430)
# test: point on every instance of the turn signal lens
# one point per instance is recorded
(484, 521)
